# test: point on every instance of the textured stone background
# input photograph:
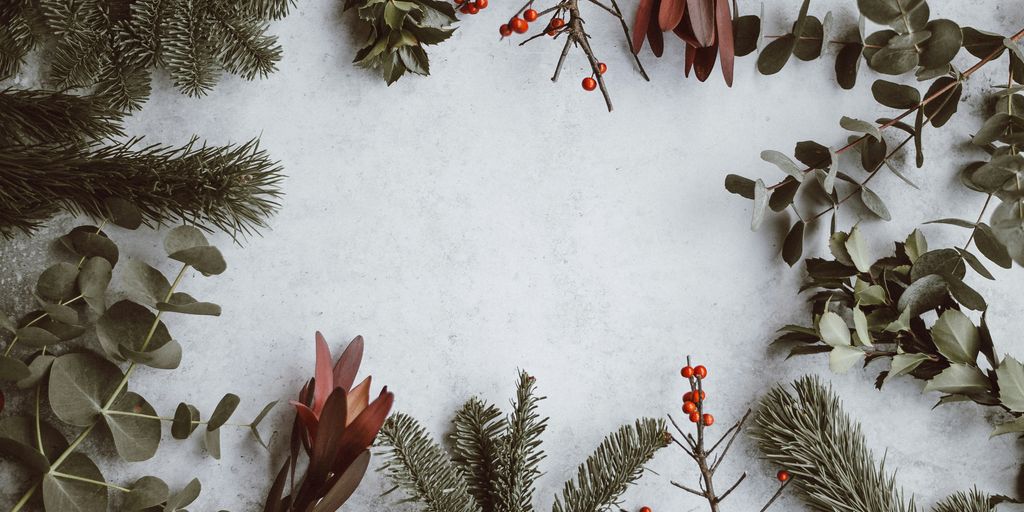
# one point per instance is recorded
(484, 219)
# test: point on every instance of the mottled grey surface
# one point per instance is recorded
(484, 219)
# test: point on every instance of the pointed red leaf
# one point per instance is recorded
(704, 62)
(691, 54)
(726, 43)
(360, 433)
(670, 14)
(702, 21)
(685, 32)
(329, 432)
(348, 365)
(344, 485)
(359, 398)
(643, 20)
(273, 503)
(654, 34)
(323, 380)
(307, 418)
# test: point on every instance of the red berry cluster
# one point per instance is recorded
(589, 83)
(693, 400)
(471, 7)
(520, 25)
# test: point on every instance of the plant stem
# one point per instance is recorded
(66, 476)
(34, 321)
(165, 418)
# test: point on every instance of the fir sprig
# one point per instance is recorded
(477, 430)
(233, 188)
(33, 117)
(519, 451)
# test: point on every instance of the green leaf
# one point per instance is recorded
(135, 437)
(837, 246)
(184, 497)
(7, 324)
(393, 16)
(146, 492)
(992, 130)
(57, 282)
(211, 440)
(903, 364)
(36, 337)
(829, 182)
(1008, 228)
(808, 45)
(93, 281)
(895, 95)
(793, 247)
(842, 358)
(80, 383)
(894, 60)
(873, 295)
(186, 420)
(939, 261)
(39, 369)
(225, 408)
(59, 312)
(123, 213)
(89, 242)
(833, 330)
(784, 163)
(188, 245)
(1011, 384)
(783, 195)
(990, 247)
(882, 12)
(67, 495)
(186, 304)
(959, 379)
(848, 64)
(145, 284)
(1009, 427)
(858, 251)
(760, 204)
(926, 293)
(915, 245)
(775, 56)
(956, 337)
(19, 443)
(943, 107)
(964, 294)
(975, 263)
(812, 154)
(183, 238)
(860, 323)
(12, 370)
(874, 203)
(859, 126)
(254, 426)
(124, 329)
(739, 185)
(940, 49)
(913, 17)
(746, 32)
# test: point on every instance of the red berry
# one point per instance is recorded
(689, 407)
(589, 84)
(687, 371)
(694, 416)
(688, 396)
(601, 68)
(531, 15)
(505, 30)
(481, 4)
(700, 371)
(464, 9)
(472, 8)
(783, 475)
(645, 509)
(709, 420)
(557, 23)
(460, 2)
(519, 25)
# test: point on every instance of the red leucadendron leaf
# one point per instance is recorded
(643, 20)
(307, 418)
(671, 13)
(330, 430)
(704, 61)
(348, 364)
(323, 378)
(702, 21)
(726, 43)
(363, 430)
(359, 398)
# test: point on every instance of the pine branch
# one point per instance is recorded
(974, 501)
(233, 188)
(187, 49)
(34, 117)
(16, 37)
(77, 60)
(419, 466)
(475, 439)
(519, 452)
(814, 439)
(122, 85)
(145, 32)
(266, 9)
(244, 48)
(617, 463)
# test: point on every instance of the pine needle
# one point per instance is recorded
(519, 452)
(477, 431)
(33, 117)
(973, 501)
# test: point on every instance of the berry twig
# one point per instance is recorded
(575, 35)
(709, 459)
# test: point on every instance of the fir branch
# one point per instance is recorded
(33, 117)
(974, 501)
(266, 9)
(187, 50)
(475, 439)
(77, 60)
(814, 439)
(519, 452)
(123, 86)
(617, 463)
(419, 466)
(233, 188)
(244, 48)
(16, 37)
(147, 24)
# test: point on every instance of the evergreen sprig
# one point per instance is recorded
(973, 501)
(493, 464)
(812, 437)
(233, 187)
(33, 117)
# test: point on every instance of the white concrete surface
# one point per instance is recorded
(484, 219)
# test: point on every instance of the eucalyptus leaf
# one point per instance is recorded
(185, 304)
(135, 427)
(146, 284)
(59, 312)
(739, 185)
(793, 247)
(940, 110)
(964, 294)
(784, 163)
(19, 442)
(939, 261)
(975, 263)
(211, 440)
(93, 281)
(183, 238)
(775, 56)
(859, 126)
(874, 203)
(184, 497)
(895, 95)
(39, 369)
(207, 260)
(882, 12)
(186, 419)
(123, 213)
(894, 60)
(943, 45)
(36, 337)
(225, 408)
(129, 328)
(89, 243)
(254, 426)
(922, 295)
(68, 495)
(760, 205)
(848, 64)
(1008, 228)
(783, 195)
(80, 383)
(13, 370)
(57, 282)
(146, 492)
(990, 247)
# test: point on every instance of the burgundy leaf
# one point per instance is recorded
(704, 61)
(643, 20)
(671, 13)
(348, 365)
(274, 496)
(363, 430)
(323, 380)
(359, 398)
(685, 32)
(344, 485)
(726, 43)
(307, 418)
(654, 34)
(691, 54)
(702, 21)
(329, 432)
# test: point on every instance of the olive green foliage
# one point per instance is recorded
(48, 356)
(823, 448)
(114, 46)
(494, 461)
(398, 31)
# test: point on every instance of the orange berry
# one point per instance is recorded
(688, 396)
(589, 84)
(464, 9)
(531, 15)
(700, 371)
(783, 475)
(694, 416)
(519, 25)
(709, 420)
(645, 509)
(601, 68)
(472, 8)
(481, 4)
(557, 23)
(505, 30)
(689, 407)
(687, 371)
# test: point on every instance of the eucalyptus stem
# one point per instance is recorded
(14, 341)
(165, 418)
(67, 476)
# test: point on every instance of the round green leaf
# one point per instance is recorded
(1008, 228)
(928, 292)
(80, 383)
(57, 282)
(225, 408)
(89, 241)
(774, 56)
(793, 247)
(746, 31)
(895, 95)
(956, 337)
(943, 45)
(882, 12)
(124, 327)
(913, 16)
(207, 260)
(39, 369)
(990, 247)
(145, 284)
(894, 60)
(146, 492)
(18, 441)
(186, 304)
(184, 497)
(808, 46)
(12, 369)
(981, 44)
(59, 312)
(939, 261)
(135, 438)
(184, 237)
(69, 495)
(36, 337)
(93, 281)
(7, 324)
(186, 418)
(123, 213)
(942, 108)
